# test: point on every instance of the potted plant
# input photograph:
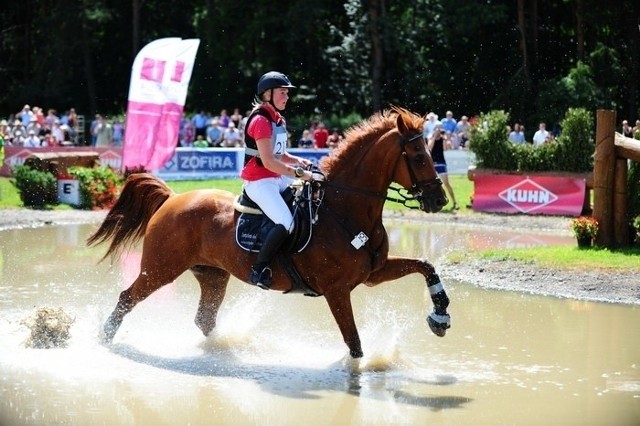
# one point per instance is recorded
(37, 188)
(585, 229)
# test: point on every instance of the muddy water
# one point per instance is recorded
(278, 359)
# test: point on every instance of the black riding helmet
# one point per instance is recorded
(273, 80)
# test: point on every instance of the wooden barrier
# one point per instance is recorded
(610, 181)
(58, 162)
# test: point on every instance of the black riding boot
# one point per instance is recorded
(260, 271)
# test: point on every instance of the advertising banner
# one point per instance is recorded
(546, 195)
(157, 93)
(203, 163)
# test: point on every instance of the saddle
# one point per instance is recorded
(252, 227)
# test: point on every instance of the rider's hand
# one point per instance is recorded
(304, 162)
(307, 175)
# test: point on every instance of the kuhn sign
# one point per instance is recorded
(528, 194)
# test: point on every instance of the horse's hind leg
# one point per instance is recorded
(213, 287)
(146, 283)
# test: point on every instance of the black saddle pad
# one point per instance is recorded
(252, 229)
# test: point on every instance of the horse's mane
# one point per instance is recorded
(364, 134)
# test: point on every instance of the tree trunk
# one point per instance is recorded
(580, 30)
(377, 54)
(88, 70)
(523, 37)
(135, 27)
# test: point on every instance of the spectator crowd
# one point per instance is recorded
(30, 127)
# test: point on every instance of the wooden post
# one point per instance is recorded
(603, 176)
(620, 220)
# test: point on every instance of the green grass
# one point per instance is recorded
(570, 257)
(9, 197)
(462, 187)
(182, 186)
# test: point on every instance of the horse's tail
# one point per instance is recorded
(126, 222)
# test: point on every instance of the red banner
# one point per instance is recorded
(529, 194)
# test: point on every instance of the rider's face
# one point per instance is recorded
(280, 97)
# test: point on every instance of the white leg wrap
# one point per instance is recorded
(441, 319)
(436, 288)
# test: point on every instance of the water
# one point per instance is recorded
(509, 358)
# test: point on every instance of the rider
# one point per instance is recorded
(269, 169)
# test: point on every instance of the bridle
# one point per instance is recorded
(419, 190)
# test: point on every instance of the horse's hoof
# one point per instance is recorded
(439, 328)
(356, 353)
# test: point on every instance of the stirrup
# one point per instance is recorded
(262, 279)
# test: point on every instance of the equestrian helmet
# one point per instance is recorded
(273, 80)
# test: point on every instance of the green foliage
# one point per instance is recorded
(571, 152)
(635, 224)
(98, 186)
(575, 144)
(37, 189)
(490, 144)
(633, 189)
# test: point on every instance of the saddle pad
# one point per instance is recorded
(250, 231)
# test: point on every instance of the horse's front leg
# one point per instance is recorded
(340, 304)
(397, 267)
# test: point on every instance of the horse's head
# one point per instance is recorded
(418, 174)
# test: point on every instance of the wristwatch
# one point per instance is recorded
(299, 171)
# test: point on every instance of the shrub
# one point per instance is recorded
(575, 144)
(572, 151)
(37, 188)
(490, 144)
(635, 225)
(98, 186)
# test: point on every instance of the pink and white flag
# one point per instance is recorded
(157, 93)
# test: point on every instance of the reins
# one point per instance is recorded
(416, 185)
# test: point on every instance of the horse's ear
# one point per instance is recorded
(402, 122)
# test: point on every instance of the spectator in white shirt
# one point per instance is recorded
(540, 137)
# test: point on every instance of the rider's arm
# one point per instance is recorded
(288, 158)
(275, 165)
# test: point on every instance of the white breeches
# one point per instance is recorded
(266, 193)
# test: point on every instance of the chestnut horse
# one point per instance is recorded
(195, 230)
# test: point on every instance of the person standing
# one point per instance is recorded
(541, 136)
(627, 131)
(437, 146)
(320, 136)
(463, 130)
(103, 133)
(516, 136)
(269, 168)
(449, 123)
(199, 121)
(430, 125)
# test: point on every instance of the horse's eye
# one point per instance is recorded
(419, 160)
